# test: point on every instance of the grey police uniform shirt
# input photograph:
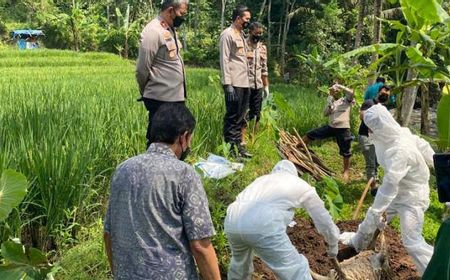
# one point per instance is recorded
(160, 69)
(257, 64)
(157, 205)
(233, 60)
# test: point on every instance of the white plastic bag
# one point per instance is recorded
(218, 167)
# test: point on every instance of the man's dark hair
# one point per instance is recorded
(239, 11)
(171, 121)
(366, 105)
(380, 80)
(255, 25)
(385, 87)
(165, 4)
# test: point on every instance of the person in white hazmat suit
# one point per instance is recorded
(256, 223)
(404, 191)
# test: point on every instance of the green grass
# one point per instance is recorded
(67, 119)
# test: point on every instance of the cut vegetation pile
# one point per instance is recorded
(312, 245)
(294, 149)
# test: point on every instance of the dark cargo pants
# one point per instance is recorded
(234, 118)
(255, 104)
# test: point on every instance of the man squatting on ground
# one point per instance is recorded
(234, 72)
(338, 112)
(258, 75)
(256, 223)
(367, 147)
(158, 219)
(160, 69)
(404, 191)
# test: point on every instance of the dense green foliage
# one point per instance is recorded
(69, 118)
(326, 25)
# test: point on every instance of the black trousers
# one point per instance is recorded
(234, 118)
(152, 107)
(255, 104)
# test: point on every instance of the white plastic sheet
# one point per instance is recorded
(218, 167)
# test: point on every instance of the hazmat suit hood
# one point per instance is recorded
(383, 126)
(385, 131)
(285, 166)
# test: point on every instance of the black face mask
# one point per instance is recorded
(256, 38)
(178, 20)
(383, 98)
(185, 153)
(245, 25)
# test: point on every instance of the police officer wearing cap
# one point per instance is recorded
(234, 73)
(160, 69)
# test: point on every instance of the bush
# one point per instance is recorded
(87, 260)
(3, 29)
(114, 40)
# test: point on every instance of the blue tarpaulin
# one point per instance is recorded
(27, 33)
(27, 38)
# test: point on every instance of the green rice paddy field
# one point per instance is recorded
(67, 119)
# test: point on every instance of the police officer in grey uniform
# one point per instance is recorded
(258, 75)
(160, 69)
(234, 69)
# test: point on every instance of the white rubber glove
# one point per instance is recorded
(346, 237)
(266, 92)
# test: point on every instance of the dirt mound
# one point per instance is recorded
(312, 245)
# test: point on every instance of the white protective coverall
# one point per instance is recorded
(404, 191)
(256, 223)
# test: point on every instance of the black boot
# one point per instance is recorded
(243, 151)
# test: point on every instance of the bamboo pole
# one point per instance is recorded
(363, 196)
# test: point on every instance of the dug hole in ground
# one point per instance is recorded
(311, 244)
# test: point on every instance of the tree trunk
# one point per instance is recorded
(378, 6)
(360, 25)
(222, 15)
(408, 99)
(280, 29)
(287, 23)
(76, 43)
(197, 19)
(108, 16)
(269, 27)
(125, 49)
(261, 10)
(425, 104)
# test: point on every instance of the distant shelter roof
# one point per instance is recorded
(26, 33)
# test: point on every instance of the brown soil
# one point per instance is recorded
(312, 245)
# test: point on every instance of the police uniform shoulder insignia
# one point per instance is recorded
(167, 36)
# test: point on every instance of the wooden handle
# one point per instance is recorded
(363, 196)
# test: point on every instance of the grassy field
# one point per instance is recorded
(67, 119)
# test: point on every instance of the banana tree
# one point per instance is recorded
(420, 55)
(443, 119)
(126, 26)
(18, 261)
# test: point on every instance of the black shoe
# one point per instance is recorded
(374, 191)
(243, 152)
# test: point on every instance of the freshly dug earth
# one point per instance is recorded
(312, 245)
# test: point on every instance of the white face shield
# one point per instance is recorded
(285, 166)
